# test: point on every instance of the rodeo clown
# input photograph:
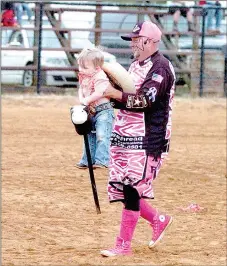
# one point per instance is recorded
(141, 136)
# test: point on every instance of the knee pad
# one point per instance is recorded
(132, 198)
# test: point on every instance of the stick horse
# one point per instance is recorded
(80, 116)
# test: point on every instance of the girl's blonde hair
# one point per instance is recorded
(92, 54)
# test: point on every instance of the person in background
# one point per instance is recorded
(141, 137)
(93, 82)
(213, 13)
(3, 5)
(20, 8)
(8, 15)
(184, 11)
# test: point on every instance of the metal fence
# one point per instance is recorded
(43, 52)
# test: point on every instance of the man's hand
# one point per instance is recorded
(84, 102)
(111, 92)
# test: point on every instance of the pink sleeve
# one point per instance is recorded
(101, 82)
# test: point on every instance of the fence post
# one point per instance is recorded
(225, 69)
(98, 23)
(204, 11)
(140, 17)
(39, 48)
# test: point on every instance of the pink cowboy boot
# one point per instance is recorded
(158, 222)
(123, 242)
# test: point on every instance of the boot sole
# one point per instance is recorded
(162, 234)
(107, 253)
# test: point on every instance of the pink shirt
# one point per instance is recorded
(145, 118)
(92, 87)
(129, 123)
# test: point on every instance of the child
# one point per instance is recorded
(8, 16)
(182, 10)
(93, 82)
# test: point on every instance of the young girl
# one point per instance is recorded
(93, 82)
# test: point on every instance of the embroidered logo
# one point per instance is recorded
(157, 78)
(136, 28)
(151, 93)
(136, 102)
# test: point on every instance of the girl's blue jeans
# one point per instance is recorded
(99, 138)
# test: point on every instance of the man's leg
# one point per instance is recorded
(19, 13)
(28, 10)
(190, 20)
(210, 17)
(218, 17)
(129, 219)
(159, 222)
(176, 17)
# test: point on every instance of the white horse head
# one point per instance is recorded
(78, 114)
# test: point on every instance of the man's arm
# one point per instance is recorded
(153, 87)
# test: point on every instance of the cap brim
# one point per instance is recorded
(129, 37)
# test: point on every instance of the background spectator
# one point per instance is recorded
(8, 15)
(211, 14)
(184, 11)
(20, 8)
(3, 5)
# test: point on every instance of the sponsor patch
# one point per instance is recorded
(157, 77)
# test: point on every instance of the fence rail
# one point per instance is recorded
(65, 35)
(101, 30)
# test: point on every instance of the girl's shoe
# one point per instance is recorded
(81, 166)
(100, 166)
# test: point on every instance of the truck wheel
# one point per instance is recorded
(28, 77)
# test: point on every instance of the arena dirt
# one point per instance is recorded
(48, 212)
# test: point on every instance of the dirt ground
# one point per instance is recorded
(48, 212)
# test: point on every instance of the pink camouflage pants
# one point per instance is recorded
(132, 167)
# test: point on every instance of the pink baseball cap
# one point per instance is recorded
(145, 29)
